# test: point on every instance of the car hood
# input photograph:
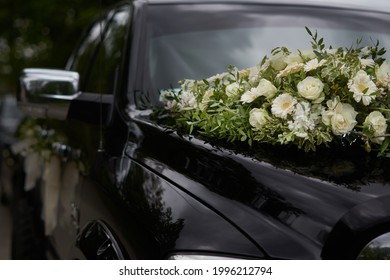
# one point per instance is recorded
(289, 202)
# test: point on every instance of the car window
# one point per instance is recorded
(108, 59)
(81, 60)
(99, 55)
(199, 41)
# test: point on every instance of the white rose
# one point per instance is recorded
(344, 122)
(383, 74)
(232, 90)
(293, 58)
(266, 88)
(307, 54)
(377, 122)
(253, 75)
(341, 117)
(249, 96)
(277, 61)
(258, 118)
(334, 106)
(310, 88)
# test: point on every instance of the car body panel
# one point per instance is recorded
(295, 211)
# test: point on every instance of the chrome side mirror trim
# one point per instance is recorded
(47, 93)
(377, 249)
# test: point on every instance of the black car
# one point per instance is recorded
(117, 182)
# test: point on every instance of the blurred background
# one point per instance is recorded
(40, 33)
(33, 33)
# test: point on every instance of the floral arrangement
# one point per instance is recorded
(307, 98)
(49, 161)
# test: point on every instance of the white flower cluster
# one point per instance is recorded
(307, 97)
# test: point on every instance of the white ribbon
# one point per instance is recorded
(59, 182)
(33, 164)
(23, 146)
(70, 179)
(52, 186)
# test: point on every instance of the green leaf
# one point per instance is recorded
(384, 146)
(381, 51)
(308, 31)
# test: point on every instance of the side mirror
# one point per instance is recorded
(47, 93)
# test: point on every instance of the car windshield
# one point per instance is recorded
(196, 41)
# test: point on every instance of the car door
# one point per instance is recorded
(90, 127)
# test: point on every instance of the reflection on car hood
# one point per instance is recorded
(286, 200)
